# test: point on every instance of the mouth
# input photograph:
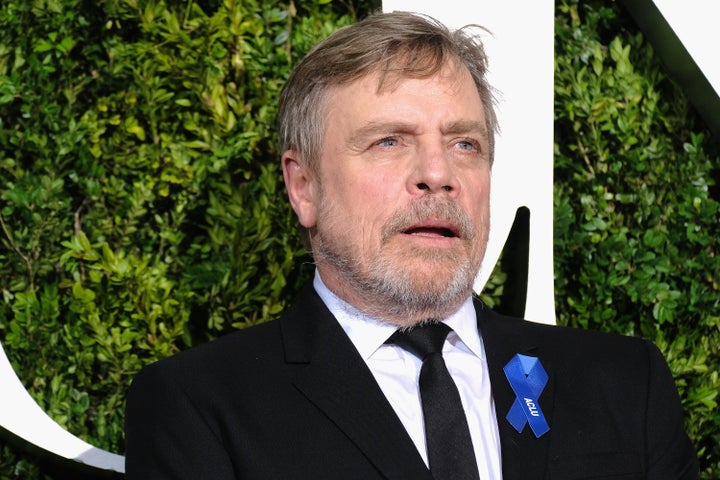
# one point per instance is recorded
(433, 229)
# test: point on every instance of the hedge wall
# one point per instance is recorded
(142, 199)
(637, 234)
(142, 209)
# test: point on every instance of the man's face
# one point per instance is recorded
(398, 206)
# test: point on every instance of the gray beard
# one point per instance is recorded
(389, 292)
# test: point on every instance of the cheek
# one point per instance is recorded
(478, 196)
(367, 193)
(353, 212)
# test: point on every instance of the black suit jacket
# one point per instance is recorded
(292, 399)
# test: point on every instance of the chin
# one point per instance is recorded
(420, 296)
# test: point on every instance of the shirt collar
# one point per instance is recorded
(368, 333)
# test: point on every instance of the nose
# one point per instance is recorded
(433, 173)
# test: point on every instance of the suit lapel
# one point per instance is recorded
(524, 457)
(333, 376)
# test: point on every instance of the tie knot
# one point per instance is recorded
(422, 341)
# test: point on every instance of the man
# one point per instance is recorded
(387, 129)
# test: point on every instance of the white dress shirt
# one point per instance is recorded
(396, 372)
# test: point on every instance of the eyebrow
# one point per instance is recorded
(374, 128)
(458, 127)
(465, 127)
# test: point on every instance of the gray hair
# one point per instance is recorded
(397, 45)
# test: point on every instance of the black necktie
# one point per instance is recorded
(450, 450)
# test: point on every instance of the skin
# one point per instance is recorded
(398, 204)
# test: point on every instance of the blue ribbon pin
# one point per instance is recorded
(527, 378)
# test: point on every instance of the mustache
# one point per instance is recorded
(430, 208)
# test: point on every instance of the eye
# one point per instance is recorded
(388, 142)
(468, 145)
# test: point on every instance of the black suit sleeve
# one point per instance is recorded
(670, 453)
(167, 437)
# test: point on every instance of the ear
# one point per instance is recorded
(301, 187)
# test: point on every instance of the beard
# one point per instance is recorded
(404, 284)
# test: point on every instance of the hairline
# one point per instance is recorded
(459, 49)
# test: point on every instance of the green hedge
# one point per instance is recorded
(142, 208)
(637, 234)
